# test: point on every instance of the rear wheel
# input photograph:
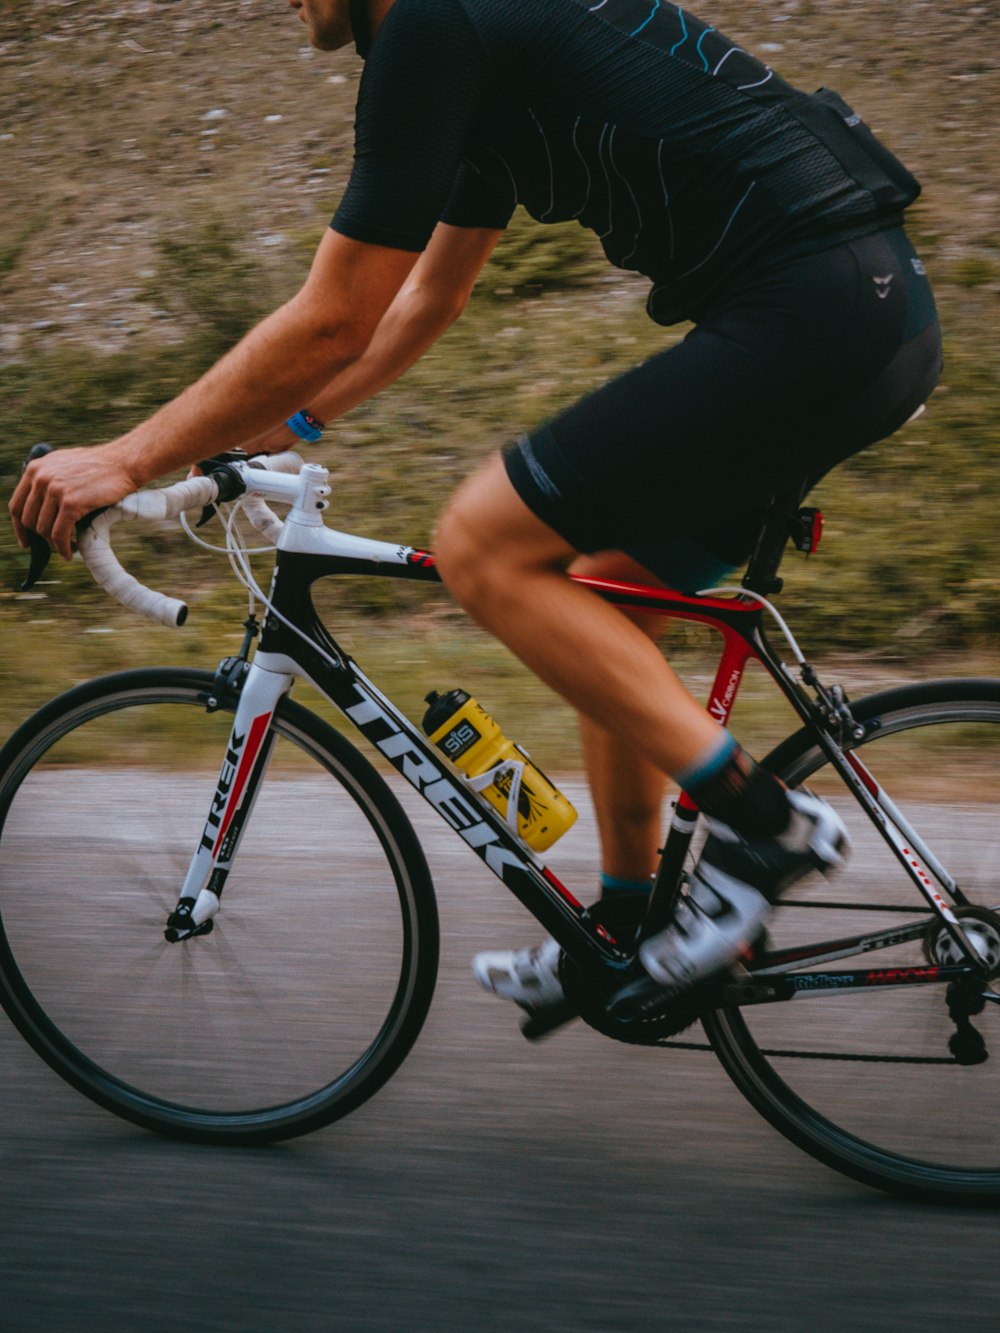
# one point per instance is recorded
(315, 981)
(866, 1081)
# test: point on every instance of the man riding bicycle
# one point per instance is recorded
(769, 218)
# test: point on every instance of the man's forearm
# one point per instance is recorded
(428, 302)
(276, 367)
(409, 327)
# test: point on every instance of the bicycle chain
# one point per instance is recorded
(620, 918)
(857, 1058)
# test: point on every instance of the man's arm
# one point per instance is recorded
(279, 365)
(428, 303)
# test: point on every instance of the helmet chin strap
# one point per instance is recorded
(361, 27)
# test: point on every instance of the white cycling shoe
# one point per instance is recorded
(733, 888)
(721, 918)
(529, 977)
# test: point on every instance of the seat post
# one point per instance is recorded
(762, 572)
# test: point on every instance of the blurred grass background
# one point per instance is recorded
(166, 170)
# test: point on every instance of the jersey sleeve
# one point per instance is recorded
(424, 82)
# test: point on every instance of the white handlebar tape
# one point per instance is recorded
(95, 546)
(289, 461)
(263, 518)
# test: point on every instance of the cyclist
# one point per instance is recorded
(771, 219)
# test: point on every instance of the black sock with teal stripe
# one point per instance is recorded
(728, 785)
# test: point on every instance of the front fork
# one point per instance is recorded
(251, 742)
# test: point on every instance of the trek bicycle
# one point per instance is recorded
(129, 804)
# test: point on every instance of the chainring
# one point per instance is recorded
(619, 918)
(983, 930)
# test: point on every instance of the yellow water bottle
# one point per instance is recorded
(498, 768)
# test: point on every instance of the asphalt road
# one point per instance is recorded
(571, 1185)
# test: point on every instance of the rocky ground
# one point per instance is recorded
(209, 134)
(122, 122)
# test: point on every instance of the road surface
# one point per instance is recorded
(574, 1184)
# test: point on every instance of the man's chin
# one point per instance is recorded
(329, 41)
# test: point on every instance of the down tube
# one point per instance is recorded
(474, 820)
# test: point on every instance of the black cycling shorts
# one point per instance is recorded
(676, 461)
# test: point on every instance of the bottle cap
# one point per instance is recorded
(442, 706)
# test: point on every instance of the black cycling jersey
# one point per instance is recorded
(693, 162)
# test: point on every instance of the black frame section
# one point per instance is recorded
(335, 673)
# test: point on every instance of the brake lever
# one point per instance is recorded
(214, 464)
(39, 551)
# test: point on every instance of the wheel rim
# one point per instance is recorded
(306, 983)
(901, 1112)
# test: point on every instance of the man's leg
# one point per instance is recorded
(508, 570)
(626, 788)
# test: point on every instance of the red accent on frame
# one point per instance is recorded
(895, 976)
(665, 601)
(561, 889)
(423, 558)
(862, 772)
(736, 653)
(258, 730)
(816, 535)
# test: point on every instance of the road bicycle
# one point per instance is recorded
(861, 1029)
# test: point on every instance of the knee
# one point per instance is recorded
(488, 544)
(462, 558)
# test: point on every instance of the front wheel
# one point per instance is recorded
(316, 979)
(865, 1080)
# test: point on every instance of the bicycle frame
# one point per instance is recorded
(294, 642)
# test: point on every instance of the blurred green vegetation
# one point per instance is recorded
(907, 579)
(908, 565)
(205, 274)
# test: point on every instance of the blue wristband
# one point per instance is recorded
(306, 427)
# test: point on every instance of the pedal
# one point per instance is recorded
(175, 935)
(968, 1046)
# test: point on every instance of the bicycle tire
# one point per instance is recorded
(919, 1124)
(316, 980)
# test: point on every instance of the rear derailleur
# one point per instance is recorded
(967, 997)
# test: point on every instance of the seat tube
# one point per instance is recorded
(722, 698)
(251, 741)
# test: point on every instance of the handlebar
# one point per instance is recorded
(94, 545)
(275, 476)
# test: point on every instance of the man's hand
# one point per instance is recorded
(59, 489)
